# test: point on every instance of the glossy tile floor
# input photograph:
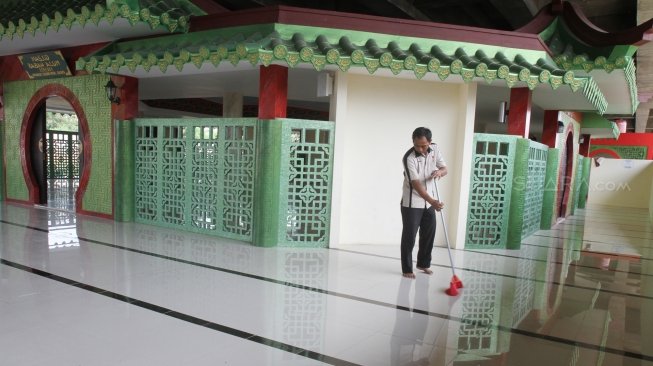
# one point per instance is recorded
(87, 291)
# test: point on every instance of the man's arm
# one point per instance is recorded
(419, 188)
(439, 173)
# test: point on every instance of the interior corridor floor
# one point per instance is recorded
(88, 291)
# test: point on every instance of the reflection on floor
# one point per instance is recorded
(97, 292)
(61, 193)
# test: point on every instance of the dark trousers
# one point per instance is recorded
(414, 219)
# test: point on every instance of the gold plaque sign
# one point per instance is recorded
(44, 65)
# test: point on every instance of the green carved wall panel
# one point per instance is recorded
(196, 174)
(490, 190)
(306, 171)
(89, 90)
(535, 181)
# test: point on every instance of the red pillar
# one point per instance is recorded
(128, 94)
(550, 128)
(584, 147)
(519, 117)
(273, 92)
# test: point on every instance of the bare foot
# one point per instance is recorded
(409, 275)
(425, 270)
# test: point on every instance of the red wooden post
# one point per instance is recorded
(550, 128)
(128, 93)
(273, 92)
(519, 117)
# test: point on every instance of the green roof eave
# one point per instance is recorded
(572, 54)
(593, 121)
(145, 11)
(318, 46)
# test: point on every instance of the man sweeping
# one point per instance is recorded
(423, 163)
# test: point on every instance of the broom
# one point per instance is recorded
(455, 283)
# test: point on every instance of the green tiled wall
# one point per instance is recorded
(97, 109)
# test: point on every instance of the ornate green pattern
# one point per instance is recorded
(320, 47)
(21, 18)
(490, 191)
(307, 169)
(196, 174)
(535, 180)
(97, 109)
(571, 53)
(624, 152)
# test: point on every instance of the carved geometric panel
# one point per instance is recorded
(490, 190)
(307, 167)
(537, 156)
(196, 174)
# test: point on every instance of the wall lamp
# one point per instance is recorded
(503, 112)
(112, 89)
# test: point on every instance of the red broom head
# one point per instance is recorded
(457, 281)
(452, 290)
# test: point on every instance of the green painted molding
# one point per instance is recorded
(518, 195)
(124, 175)
(550, 189)
(269, 43)
(593, 120)
(19, 19)
(267, 207)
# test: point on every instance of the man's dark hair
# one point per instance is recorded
(422, 132)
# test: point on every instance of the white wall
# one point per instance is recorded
(375, 117)
(620, 182)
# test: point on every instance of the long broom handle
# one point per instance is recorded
(444, 226)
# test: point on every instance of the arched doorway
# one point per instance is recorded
(566, 168)
(62, 154)
(54, 169)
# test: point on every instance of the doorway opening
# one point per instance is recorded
(56, 154)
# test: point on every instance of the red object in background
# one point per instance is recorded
(626, 139)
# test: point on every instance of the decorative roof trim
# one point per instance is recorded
(584, 30)
(86, 15)
(279, 44)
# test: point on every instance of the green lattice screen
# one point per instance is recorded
(307, 159)
(62, 154)
(491, 186)
(624, 152)
(537, 154)
(196, 174)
